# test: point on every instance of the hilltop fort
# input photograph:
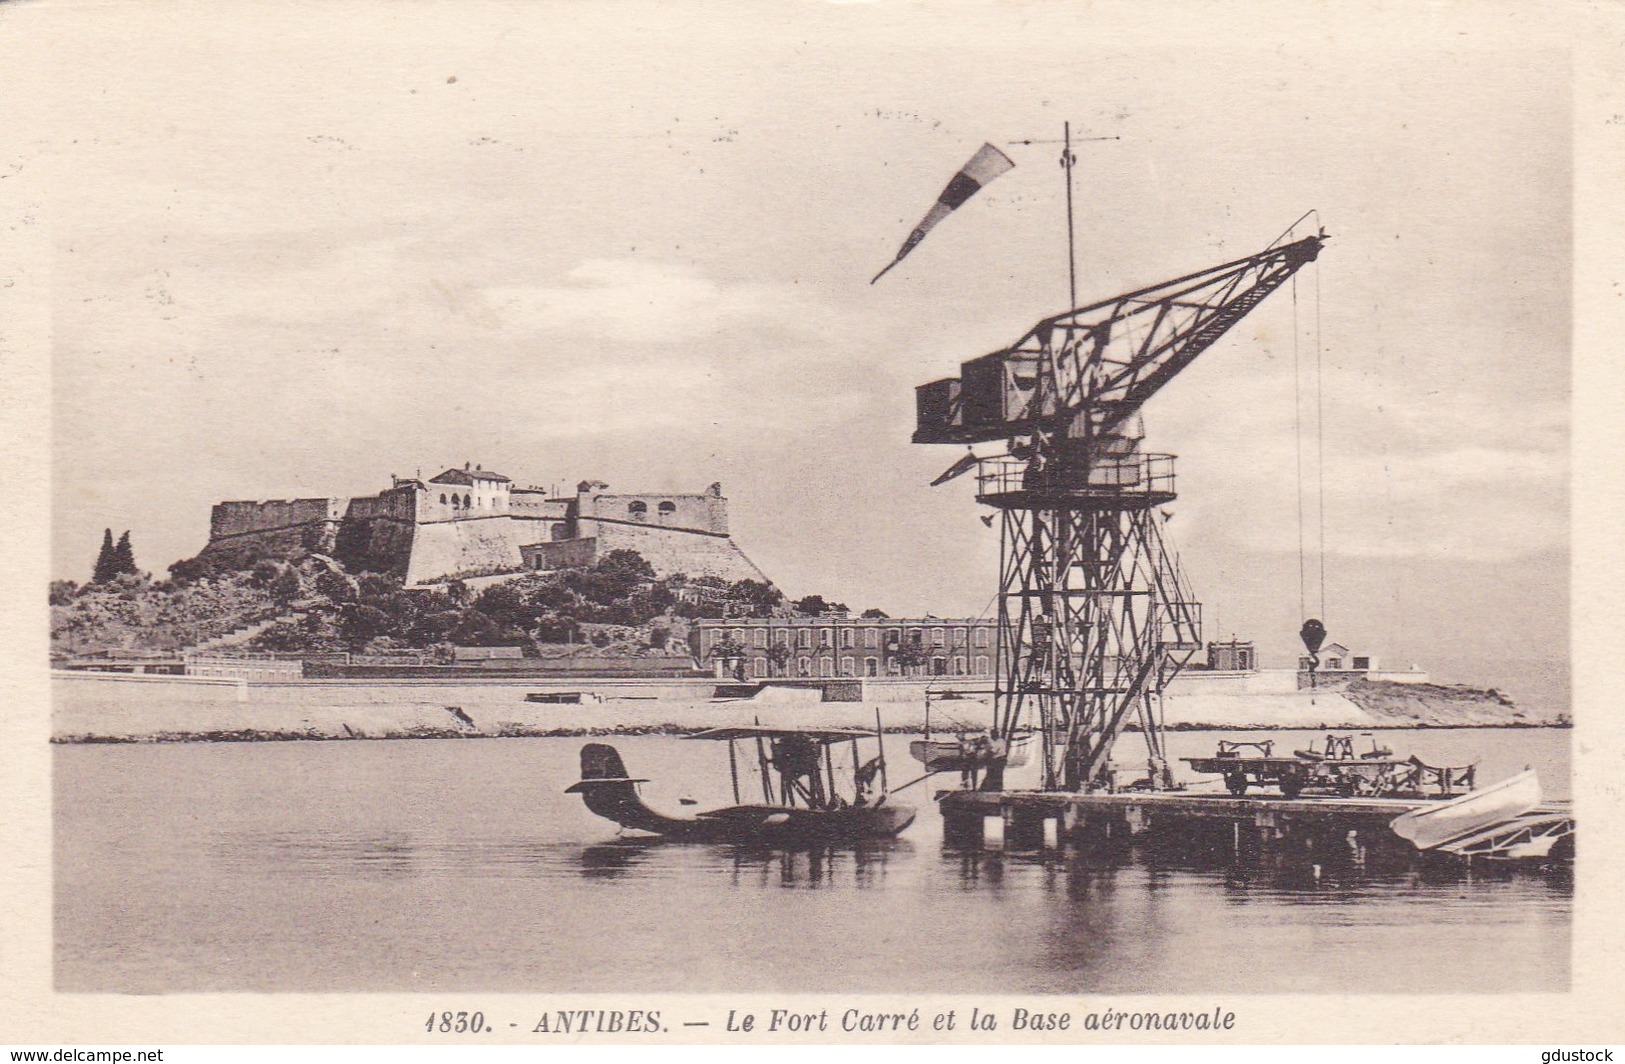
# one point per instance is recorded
(474, 522)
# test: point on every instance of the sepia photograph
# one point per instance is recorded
(584, 519)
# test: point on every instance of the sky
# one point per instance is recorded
(301, 248)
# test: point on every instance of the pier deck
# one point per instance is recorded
(1319, 827)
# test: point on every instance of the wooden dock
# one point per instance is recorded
(1322, 828)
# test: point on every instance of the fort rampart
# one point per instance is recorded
(471, 523)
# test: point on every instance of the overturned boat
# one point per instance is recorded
(804, 798)
(1434, 826)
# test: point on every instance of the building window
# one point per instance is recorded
(870, 637)
(1359, 663)
(666, 509)
(916, 637)
(1244, 660)
(761, 638)
(442, 498)
(959, 666)
(806, 637)
(825, 666)
(637, 511)
(938, 637)
(893, 635)
(871, 667)
(846, 637)
(981, 637)
(759, 666)
(981, 666)
(804, 666)
(1334, 663)
(847, 666)
(939, 666)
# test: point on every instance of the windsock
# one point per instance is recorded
(988, 163)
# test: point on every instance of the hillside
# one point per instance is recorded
(615, 607)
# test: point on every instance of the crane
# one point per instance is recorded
(1095, 615)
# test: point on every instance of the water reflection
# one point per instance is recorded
(861, 865)
(612, 860)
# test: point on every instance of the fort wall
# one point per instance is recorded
(675, 551)
(378, 532)
(560, 554)
(469, 546)
(705, 511)
(272, 515)
(240, 532)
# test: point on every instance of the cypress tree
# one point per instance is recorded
(124, 556)
(105, 560)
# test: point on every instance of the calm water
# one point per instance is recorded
(459, 864)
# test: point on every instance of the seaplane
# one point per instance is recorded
(805, 799)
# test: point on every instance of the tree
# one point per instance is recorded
(105, 561)
(285, 586)
(360, 625)
(626, 563)
(779, 655)
(876, 615)
(124, 556)
(754, 598)
(730, 652)
(284, 638)
(62, 592)
(812, 606)
(910, 655)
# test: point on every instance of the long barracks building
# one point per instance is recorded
(846, 646)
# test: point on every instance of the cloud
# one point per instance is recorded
(1407, 473)
(639, 302)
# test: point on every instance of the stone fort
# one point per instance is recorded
(473, 522)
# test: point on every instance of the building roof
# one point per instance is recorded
(468, 476)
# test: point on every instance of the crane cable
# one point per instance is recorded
(1320, 448)
(1297, 440)
(1320, 453)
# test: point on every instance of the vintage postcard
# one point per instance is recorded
(815, 522)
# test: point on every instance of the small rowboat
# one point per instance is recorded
(968, 753)
(1435, 825)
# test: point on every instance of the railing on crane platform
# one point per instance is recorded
(1130, 482)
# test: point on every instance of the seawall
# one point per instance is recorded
(89, 707)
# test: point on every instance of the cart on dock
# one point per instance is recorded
(1345, 774)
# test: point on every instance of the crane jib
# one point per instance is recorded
(1107, 358)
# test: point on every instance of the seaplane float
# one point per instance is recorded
(804, 798)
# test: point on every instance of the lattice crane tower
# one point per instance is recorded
(1095, 616)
